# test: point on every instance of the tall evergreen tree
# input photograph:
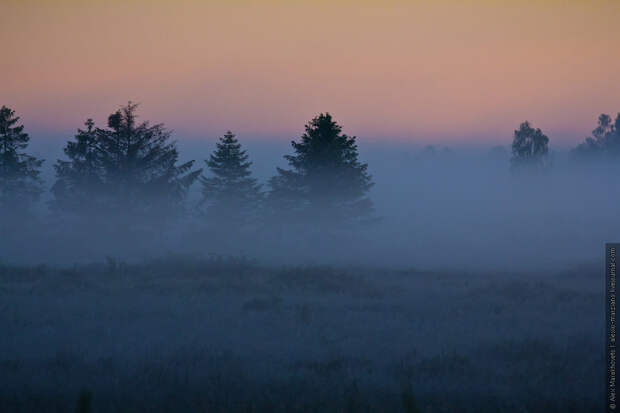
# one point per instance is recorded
(326, 181)
(231, 193)
(130, 168)
(20, 182)
(530, 148)
(79, 182)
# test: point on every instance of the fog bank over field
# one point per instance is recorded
(435, 207)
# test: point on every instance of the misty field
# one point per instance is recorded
(228, 335)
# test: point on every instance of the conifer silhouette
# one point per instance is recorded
(230, 193)
(79, 182)
(326, 181)
(20, 182)
(128, 169)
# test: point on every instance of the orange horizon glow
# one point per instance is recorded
(419, 71)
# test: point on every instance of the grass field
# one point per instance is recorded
(229, 335)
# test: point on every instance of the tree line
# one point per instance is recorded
(131, 169)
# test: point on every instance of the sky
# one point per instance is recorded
(418, 71)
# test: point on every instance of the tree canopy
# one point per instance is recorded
(326, 179)
(530, 147)
(79, 182)
(130, 167)
(230, 193)
(20, 182)
(604, 142)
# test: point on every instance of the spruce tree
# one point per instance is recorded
(231, 194)
(20, 182)
(326, 181)
(79, 181)
(129, 169)
(140, 165)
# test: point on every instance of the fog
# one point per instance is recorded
(473, 289)
(423, 265)
(435, 208)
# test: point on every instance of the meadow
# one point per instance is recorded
(217, 334)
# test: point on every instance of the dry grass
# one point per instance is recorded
(228, 335)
